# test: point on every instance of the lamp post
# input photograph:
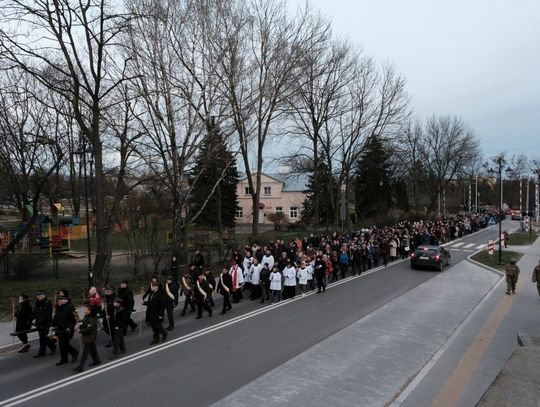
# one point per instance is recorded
(81, 152)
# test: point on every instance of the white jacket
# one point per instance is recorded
(309, 269)
(302, 274)
(269, 260)
(275, 280)
(255, 273)
(248, 261)
(289, 274)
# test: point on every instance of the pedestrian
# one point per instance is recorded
(155, 313)
(23, 321)
(268, 259)
(512, 273)
(88, 332)
(94, 300)
(255, 272)
(187, 288)
(289, 283)
(320, 273)
(224, 287)
(302, 275)
(173, 269)
(171, 300)
(343, 262)
(126, 295)
(201, 291)
(536, 277)
(42, 315)
(118, 325)
(265, 283)
(238, 281)
(108, 311)
(209, 277)
(64, 323)
(505, 238)
(275, 285)
(247, 263)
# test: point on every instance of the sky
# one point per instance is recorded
(478, 59)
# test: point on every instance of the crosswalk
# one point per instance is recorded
(467, 247)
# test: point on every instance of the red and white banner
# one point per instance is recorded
(491, 246)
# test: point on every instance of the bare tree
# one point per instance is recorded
(448, 146)
(30, 152)
(70, 48)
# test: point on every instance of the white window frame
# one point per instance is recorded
(269, 191)
(247, 190)
(293, 212)
(239, 214)
(279, 209)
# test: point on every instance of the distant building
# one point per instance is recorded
(280, 192)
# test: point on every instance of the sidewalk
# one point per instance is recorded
(521, 315)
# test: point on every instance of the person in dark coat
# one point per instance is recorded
(198, 261)
(171, 300)
(88, 333)
(126, 295)
(209, 276)
(23, 316)
(108, 311)
(320, 271)
(265, 282)
(118, 325)
(224, 287)
(64, 323)
(173, 269)
(187, 288)
(42, 317)
(155, 312)
(201, 292)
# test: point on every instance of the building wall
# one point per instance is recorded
(270, 203)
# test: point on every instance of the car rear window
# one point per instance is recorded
(421, 250)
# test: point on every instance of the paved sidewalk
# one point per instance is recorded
(522, 316)
(367, 363)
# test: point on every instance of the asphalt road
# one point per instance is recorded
(205, 360)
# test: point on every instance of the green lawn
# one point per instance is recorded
(522, 238)
(493, 260)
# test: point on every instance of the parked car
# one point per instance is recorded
(430, 256)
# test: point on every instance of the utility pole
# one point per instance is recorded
(476, 195)
(470, 198)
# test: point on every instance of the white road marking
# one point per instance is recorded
(468, 246)
(457, 245)
(481, 246)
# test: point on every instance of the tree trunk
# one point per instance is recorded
(316, 216)
(102, 230)
(219, 222)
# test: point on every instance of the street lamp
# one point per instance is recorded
(500, 162)
(82, 152)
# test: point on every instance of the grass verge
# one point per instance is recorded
(522, 238)
(493, 260)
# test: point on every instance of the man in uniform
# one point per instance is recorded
(187, 288)
(171, 300)
(224, 287)
(42, 315)
(155, 312)
(118, 325)
(64, 323)
(126, 295)
(201, 292)
(88, 332)
(209, 276)
(536, 277)
(512, 273)
(320, 271)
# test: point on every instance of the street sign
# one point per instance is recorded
(491, 247)
(491, 221)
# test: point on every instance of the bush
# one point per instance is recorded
(279, 219)
(23, 264)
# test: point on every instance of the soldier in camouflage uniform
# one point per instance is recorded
(512, 273)
(536, 277)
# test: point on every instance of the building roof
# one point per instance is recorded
(292, 182)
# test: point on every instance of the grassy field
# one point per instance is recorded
(493, 260)
(522, 238)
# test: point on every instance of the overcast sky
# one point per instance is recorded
(479, 59)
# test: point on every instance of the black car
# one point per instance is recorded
(430, 256)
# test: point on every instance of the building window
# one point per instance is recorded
(247, 190)
(239, 212)
(268, 190)
(293, 212)
(279, 209)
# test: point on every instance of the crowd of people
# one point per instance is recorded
(270, 273)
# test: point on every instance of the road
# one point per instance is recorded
(205, 360)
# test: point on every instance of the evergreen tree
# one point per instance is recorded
(213, 162)
(322, 190)
(373, 183)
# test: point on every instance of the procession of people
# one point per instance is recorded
(268, 273)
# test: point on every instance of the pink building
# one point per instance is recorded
(279, 193)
